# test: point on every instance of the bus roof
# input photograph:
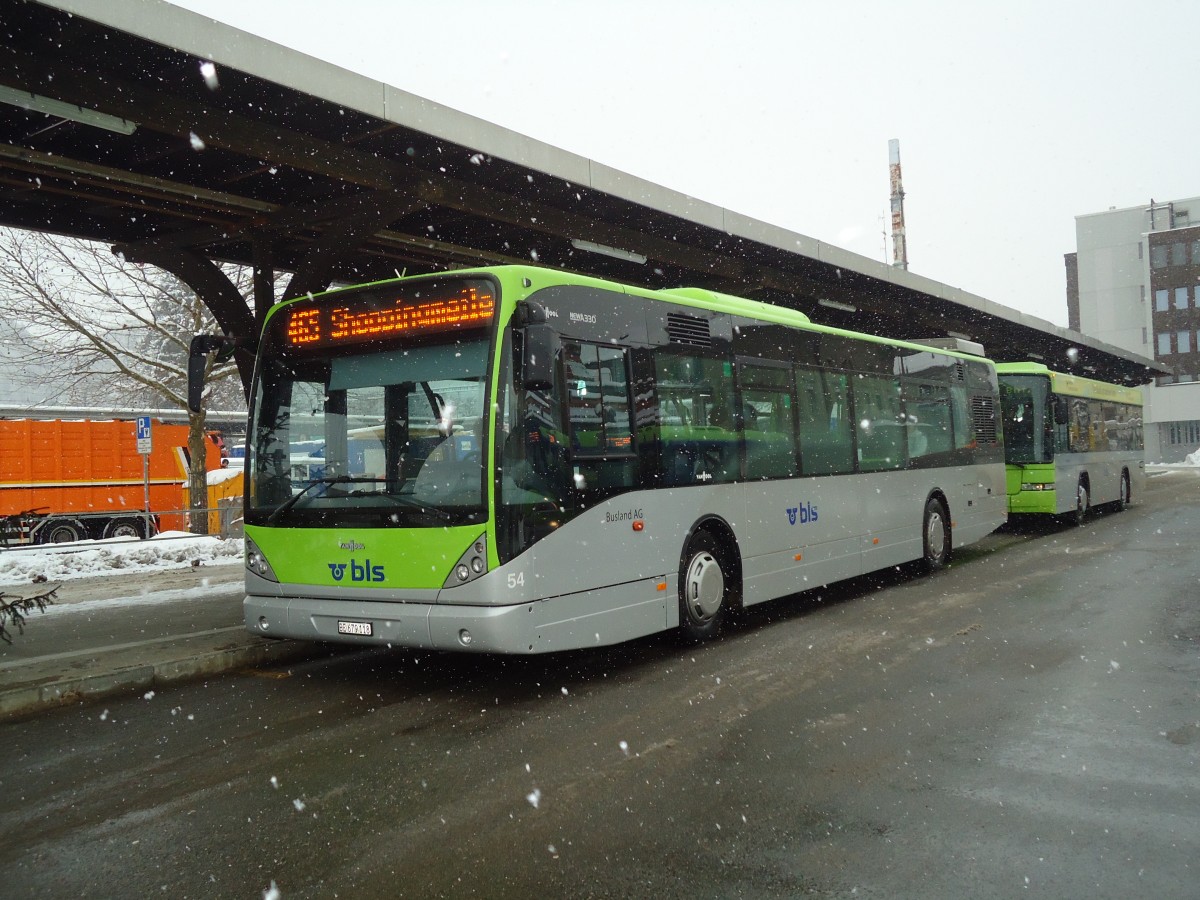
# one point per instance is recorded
(529, 277)
(1074, 385)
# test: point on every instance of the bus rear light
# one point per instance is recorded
(638, 524)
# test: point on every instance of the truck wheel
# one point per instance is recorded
(61, 531)
(124, 528)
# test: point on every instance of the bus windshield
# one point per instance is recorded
(1028, 432)
(387, 438)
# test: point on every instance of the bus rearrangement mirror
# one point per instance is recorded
(540, 347)
(198, 350)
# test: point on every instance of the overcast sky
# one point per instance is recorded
(1013, 118)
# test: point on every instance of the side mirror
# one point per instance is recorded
(1062, 413)
(201, 346)
(540, 350)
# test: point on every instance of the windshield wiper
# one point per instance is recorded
(295, 498)
(407, 502)
(401, 500)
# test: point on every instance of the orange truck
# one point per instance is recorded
(65, 480)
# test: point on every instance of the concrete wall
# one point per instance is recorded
(1113, 272)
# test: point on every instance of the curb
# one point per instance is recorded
(31, 698)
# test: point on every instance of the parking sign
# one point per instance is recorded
(143, 435)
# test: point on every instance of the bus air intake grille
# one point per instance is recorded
(690, 330)
(983, 413)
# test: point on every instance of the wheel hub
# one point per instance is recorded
(936, 537)
(705, 586)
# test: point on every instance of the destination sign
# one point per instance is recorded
(373, 316)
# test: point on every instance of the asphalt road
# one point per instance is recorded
(1025, 723)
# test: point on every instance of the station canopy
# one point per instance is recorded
(181, 141)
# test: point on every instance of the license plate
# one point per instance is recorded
(363, 628)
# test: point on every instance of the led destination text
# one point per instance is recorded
(310, 326)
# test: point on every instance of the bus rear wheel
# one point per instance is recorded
(1125, 495)
(936, 535)
(703, 589)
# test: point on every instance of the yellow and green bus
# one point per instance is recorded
(1070, 443)
(522, 460)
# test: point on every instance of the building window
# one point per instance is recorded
(1184, 339)
(1162, 300)
(1158, 257)
(1181, 298)
(1164, 344)
(1196, 253)
(1184, 432)
(1179, 254)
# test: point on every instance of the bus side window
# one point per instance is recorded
(601, 416)
(694, 399)
(881, 436)
(826, 445)
(768, 421)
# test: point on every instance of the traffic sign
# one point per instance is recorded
(143, 435)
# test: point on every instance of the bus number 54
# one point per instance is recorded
(516, 579)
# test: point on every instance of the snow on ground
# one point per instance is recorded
(87, 559)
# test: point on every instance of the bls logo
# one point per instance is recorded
(358, 572)
(804, 513)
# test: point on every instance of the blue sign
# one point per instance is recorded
(143, 434)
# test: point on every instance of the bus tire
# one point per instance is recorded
(127, 527)
(1125, 495)
(704, 589)
(935, 536)
(61, 531)
(1082, 504)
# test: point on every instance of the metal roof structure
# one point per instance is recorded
(115, 128)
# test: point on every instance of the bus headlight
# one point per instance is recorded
(1035, 486)
(257, 563)
(470, 565)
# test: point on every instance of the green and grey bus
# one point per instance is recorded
(520, 460)
(1071, 443)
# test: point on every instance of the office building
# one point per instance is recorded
(1134, 281)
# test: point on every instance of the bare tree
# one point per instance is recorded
(109, 332)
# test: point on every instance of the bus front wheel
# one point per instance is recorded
(703, 589)
(936, 535)
(1082, 505)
